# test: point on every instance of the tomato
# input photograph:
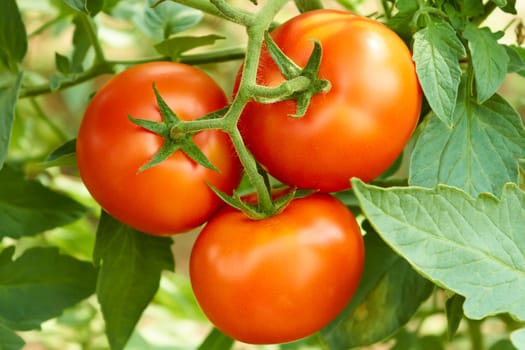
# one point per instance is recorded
(173, 196)
(359, 127)
(278, 279)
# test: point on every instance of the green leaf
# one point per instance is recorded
(130, 263)
(503, 344)
(478, 155)
(473, 247)
(27, 207)
(8, 98)
(64, 155)
(40, 284)
(508, 6)
(389, 294)
(67, 149)
(168, 18)
(516, 59)
(216, 340)
(401, 21)
(437, 51)
(62, 64)
(9, 340)
(308, 5)
(454, 312)
(175, 46)
(89, 7)
(471, 8)
(109, 5)
(13, 37)
(518, 338)
(489, 60)
(81, 44)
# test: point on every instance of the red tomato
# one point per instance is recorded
(278, 279)
(173, 196)
(359, 127)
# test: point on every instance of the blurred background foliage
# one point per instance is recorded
(45, 122)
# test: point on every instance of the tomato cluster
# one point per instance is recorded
(286, 276)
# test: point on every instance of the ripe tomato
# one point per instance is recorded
(278, 279)
(359, 127)
(173, 196)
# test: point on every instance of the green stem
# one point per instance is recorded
(233, 14)
(96, 70)
(248, 80)
(89, 26)
(46, 25)
(476, 337)
(209, 8)
(108, 67)
(277, 93)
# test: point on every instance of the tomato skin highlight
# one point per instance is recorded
(278, 279)
(359, 127)
(171, 197)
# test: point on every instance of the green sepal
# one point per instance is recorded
(282, 202)
(183, 142)
(167, 149)
(236, 202)
(191, 150)
(158, 128)
(291, 70)
(288, 68)
(168, 116)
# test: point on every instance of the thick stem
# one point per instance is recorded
(90, 29)
(233, 14)
(208, 7)
(476, 337)
(248, 80)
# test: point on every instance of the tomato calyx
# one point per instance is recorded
(291, 71)
(172, 141)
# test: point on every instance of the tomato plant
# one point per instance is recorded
(111, 150)
(325, 95)
(271, 278)
(360, 126)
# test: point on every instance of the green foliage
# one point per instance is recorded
(489, 60)
(89, 7)
(43, 281)
(8, 97)
(216, 340)
(389, 294)
(437, 51)
(454, 311)
(168, 18)
(28, 207)
(478, 154)
(428, 227)
(9, 340)
(130, 264)
(13, 38)
(175, 46)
